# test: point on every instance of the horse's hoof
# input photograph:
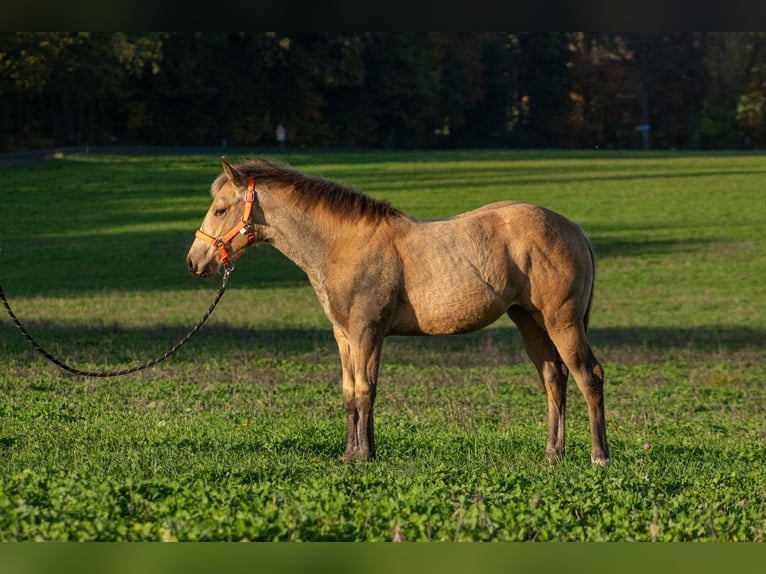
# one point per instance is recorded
(554, 457)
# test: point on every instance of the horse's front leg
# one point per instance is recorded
(347, 385)
(360, 359)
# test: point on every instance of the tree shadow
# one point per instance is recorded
(502, 346)
(702, 339)
(81, 256)
(126, 262)
(646, 239)
(606, 246)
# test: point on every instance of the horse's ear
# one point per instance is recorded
(232, 173)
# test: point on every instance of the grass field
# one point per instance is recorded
(241, 435)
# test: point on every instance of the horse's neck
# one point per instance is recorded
(300, 238)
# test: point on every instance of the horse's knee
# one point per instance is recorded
(594, 380)
(363, 402)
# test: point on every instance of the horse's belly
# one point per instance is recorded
(458, 276)
(445, 314)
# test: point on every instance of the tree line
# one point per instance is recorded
(685, 90)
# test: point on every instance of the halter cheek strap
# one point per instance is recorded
(245, 227)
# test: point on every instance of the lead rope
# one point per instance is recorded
(142, 366)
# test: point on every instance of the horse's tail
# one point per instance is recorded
(586, 317)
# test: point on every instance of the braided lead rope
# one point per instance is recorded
(142, 366)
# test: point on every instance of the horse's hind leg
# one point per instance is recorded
(572, 345)
(553, 375)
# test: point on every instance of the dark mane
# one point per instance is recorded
(312, 191)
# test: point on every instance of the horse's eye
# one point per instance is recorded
(219, 212)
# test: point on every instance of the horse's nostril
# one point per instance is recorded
(190, 265)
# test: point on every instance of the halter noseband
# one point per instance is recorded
(245, 226)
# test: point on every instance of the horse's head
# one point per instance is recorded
(228, 226)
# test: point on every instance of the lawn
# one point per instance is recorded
(240, 436)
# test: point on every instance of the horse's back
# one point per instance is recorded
(500, 230)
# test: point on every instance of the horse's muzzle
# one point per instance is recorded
(200, 270)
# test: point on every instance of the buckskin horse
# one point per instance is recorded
(378, 272)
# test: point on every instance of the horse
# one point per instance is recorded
(378, 272)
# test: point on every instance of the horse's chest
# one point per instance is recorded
(347, 294)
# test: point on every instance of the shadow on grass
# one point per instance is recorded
(135, 262)
(695, 338)
(613, 247)
(127, 262)
(490, 347)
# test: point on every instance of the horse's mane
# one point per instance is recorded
(311, 191)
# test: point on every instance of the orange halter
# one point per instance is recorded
(245, 226)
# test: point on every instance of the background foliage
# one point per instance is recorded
(489, 89)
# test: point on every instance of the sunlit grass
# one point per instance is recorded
(241, 434)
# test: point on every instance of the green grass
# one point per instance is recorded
(240, 435)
